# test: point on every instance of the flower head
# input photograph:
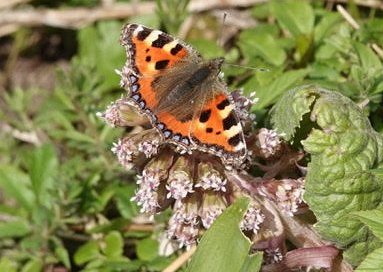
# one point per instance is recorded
(268, 142)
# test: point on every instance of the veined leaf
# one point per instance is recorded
(374, 221)
(344, 152)
(373, 262)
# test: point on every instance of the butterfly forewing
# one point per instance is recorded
(180, 94)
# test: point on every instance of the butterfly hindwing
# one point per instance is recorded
(218, 129)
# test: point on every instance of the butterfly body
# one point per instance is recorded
(181, 94)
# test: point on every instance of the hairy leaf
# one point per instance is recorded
(374, 221)
(373, 262)
(344, 151)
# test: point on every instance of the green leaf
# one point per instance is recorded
(374, 221)
(326, 26)
(125, 206)
(42, 169)
(270, 93)
(159, 263)
(297, 16)
(344, 152)
(288, 112)
(223, 247)
(98, 46)
(147, 249)
(16, 184)
(35, 265)
(79, 137)
(63, 256)
(114, 244)
(373, 262)
(208, 49)
(369, 60)
(7, 265)
(87, 252)
(253, 263)
(265, 45)
(17, 228)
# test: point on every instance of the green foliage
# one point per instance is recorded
(344, 152)
(99, 48)
(172, 13)
(373, 220)
(224, 247)
(66, 202)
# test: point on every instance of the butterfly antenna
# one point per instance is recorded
(248, 67)
(220, 41)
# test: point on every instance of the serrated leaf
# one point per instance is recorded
(223, 248)
(374, 221)
(147, 249)
(296, 16)
(344, 151)
(114, 244)
(288, 112)
(373, 262)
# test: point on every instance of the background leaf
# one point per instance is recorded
(225, 239)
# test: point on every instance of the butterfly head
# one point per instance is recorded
(215, 64)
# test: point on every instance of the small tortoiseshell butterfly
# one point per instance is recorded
(181, 94)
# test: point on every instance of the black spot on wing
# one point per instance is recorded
(148, 58)
(143, 34)
(223, 104)
(161, 41)
(229, 121)
(205, 115)
(235, 140)
(176, 49)
(209, 130)
(161, 64)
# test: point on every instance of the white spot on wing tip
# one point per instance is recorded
(239, 146)
(138, 29)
